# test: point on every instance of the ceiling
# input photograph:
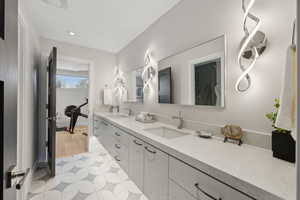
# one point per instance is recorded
(101, 24)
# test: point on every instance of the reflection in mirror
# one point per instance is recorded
(165, 86)
(195, 76)
(134, 86)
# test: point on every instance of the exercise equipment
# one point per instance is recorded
(74, 112)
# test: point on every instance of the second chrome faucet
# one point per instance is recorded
(180, 118)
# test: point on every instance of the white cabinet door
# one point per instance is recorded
(104, 132)
(156, 173)
(110, 140)
(124, 157)
(136, 161)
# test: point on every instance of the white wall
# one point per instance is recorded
(101, 69)
(196, 21)
(29, 62)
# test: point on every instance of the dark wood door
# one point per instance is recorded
(8, 93)
(205, 82)
(51, 106)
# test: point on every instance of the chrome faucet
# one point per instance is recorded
(111, 108)
(180, 118)
(129, 111)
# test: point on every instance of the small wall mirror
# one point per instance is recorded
(195, 76)
(134, 86)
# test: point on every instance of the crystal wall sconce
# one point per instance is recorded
(149, 71)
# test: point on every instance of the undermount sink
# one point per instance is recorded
(118, 116)
(165, 132)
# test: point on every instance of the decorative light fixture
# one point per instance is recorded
(119, 83)
(252, 46)
(71, 33)
(149, 70)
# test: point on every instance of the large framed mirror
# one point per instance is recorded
(134, 86)
(195, 76)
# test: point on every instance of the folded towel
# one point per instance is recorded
(286, 118)
(107, 96)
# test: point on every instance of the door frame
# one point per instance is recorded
(298, 108)
(23, 34)
(21, 99)
(92, 97)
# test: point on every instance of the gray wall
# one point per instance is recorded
(196, 21)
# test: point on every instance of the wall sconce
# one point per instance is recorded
(252, 46)
(149, 70)
(119, 83)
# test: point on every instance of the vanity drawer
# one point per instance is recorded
(101, 127)
(121, 137)
(121, 145)
(200, 185)
(122, 158)
(178, 193)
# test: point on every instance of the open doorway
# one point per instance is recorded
(72, 92)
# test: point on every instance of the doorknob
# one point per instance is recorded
(12, 175)
(51, 118)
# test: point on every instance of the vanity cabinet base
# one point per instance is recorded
(200, 185)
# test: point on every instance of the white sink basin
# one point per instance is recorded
(165, 132)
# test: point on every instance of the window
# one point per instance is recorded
(65, 81)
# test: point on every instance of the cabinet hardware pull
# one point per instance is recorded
(117, 159)
(205, 193)
(136, 142)
(117, 134)
(105, 124)
(153, 152)
(117, 146)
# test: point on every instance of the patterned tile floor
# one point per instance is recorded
(87, 176)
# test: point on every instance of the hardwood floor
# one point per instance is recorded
(71, 144)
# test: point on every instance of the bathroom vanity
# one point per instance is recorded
(171, 164)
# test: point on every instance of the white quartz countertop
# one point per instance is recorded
(249, 169)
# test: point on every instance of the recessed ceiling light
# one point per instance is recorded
(71, 33)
